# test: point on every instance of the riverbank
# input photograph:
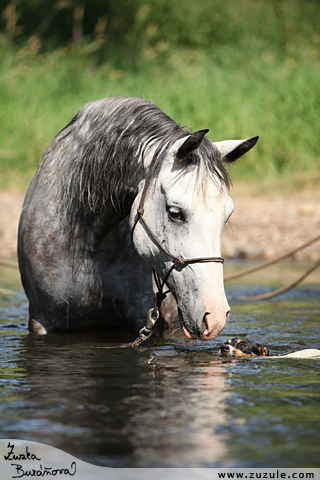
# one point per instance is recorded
(261, 227)
(266, 227)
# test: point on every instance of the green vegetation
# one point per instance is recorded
(240, 68)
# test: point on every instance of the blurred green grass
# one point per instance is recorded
(253, 69)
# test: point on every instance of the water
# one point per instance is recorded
(170, 403)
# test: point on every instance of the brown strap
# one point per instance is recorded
(160, 295)
(140, 209)
(271, 262)
(274, 293)
(179, 260)
(146, 331)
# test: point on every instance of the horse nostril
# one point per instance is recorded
(204, 321)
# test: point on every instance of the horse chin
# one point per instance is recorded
(198, 334)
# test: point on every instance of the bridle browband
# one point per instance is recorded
(154, 313)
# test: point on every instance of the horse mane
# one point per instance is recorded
(99, 153)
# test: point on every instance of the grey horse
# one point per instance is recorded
(79, 266)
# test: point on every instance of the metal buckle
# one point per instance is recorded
(151, 318)
(146, 331)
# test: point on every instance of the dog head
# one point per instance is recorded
(242, 347)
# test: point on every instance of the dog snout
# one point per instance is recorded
(224, 350)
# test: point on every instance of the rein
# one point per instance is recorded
(154, 313)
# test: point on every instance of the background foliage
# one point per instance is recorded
(240, 68)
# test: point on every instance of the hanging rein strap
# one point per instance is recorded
(154, 313)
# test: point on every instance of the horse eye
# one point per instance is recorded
(176, 214)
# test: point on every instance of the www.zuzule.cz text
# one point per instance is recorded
(275, 475)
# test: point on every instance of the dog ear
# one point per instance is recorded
(264, 351)
(256, 350)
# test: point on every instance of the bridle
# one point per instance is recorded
(160, 295)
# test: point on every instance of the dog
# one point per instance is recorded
(239, 347)
(242, 347)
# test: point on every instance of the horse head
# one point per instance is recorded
(185, 208)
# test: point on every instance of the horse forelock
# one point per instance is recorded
(206, 163)
(211, 166)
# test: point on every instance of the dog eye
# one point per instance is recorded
(176, 214)
(242, 345)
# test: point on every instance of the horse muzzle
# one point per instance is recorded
(207, 327)
(214, 324)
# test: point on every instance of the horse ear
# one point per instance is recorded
(191, 144)
(231, 150)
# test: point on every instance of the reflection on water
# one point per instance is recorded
(168, 403)
(117, 407)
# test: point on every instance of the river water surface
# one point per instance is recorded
(170, 403)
